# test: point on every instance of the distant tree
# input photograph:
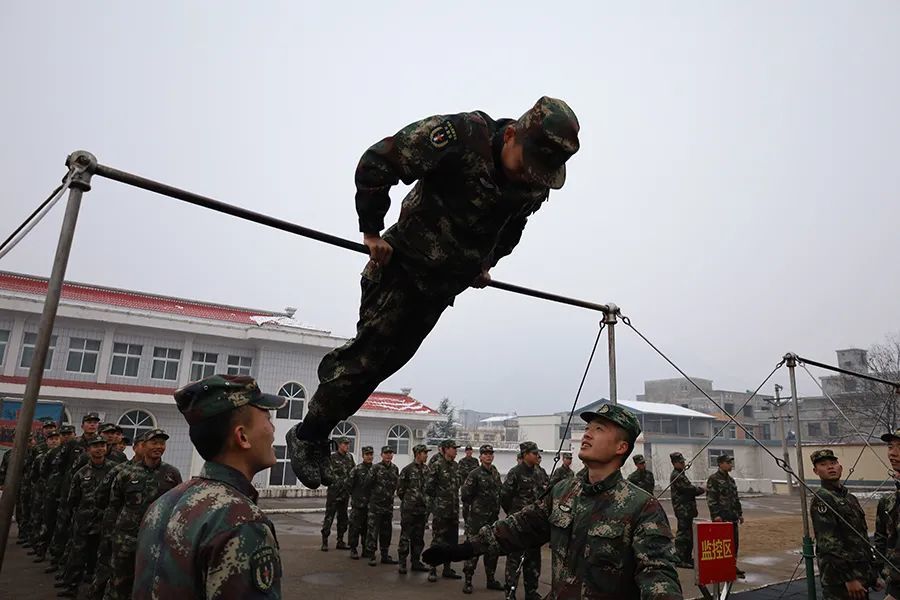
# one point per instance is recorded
(446, 428)
(871, 404)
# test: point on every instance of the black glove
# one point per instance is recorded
(438, 555)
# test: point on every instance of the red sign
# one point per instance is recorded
(714, 552)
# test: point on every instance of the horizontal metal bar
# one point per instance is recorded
(894, 384)
(261, 219)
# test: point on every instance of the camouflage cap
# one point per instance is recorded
(449, 444)
(724, 458)
(526, 447)
(676, 457)
(155, 433)
(96, 441)
(567, 455)
(110, 427)
(823, 454)
(387, 449)
(638, 459)
(621, 417)
(46, 420)
(368, 450)
(891, 436)
(50, 434)
(48, 424)
(486, 449)
(66, 429)
(342, 440)
(91, 416)
(548, 133)
(419, 448)
(217, 394)
(468, 446)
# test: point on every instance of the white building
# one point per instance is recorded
(122, 354)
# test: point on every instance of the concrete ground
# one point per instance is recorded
(770, 540)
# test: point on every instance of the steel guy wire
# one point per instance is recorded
(36, 216)
(791, 580)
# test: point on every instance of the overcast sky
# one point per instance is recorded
(736, 192)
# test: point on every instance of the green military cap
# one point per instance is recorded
(46, 420)
(619, 416)
(567, 455)
(468, 446)
(91, 416)
(155, 433)
(96, 441)
(725, 458)
(389, 449)
(449, 444)
(526, 447)
(890, 437)
(486, 449)
(368, 450)
(676, 457)
(342, 440)
(638, 459)
(215, 395)
(108, 427)
(419, 448)
(53, 433)
(48, 424)
(548, 133)
(66, 429)
(822, 455)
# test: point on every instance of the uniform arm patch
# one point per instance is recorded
(263, 565)
(443, 135)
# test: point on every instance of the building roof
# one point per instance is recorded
(498, 419)
(132, 300)
(398, 403)
(649, 408)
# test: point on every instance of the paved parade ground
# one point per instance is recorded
(770, 540)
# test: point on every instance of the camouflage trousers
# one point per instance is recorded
(684, 539)
(531, 570)
(737, 539)
(335, 506)
(21, 517)
(445, 531)
(379, 532)
(394, 319)
(465, 514)
(102, 569)
(359, 524)
(121, 565)
(490, 561)
(82, 558)
(412, 537)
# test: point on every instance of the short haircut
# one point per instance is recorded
(209, 435)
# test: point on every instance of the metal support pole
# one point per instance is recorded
(782, 433)
(791, 361)
(83, 164)
(609, 318)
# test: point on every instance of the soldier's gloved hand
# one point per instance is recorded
(438, 555)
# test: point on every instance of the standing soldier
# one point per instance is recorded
(723, 501)
(887, 523)
(131, 494)
(564, 471)
(46, 496)
(442, 488)
(7, 457)
(482, 491)
(684, 505)
(846, 562)
(338, 494)
(359, 502)
(26, 493)
(523, 486)
(466, 465)
(642, 476)
(382, 483)
(413, 510)
(207, 538)
(86, 519)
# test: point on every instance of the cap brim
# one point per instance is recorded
(551, 177)
(269, 401)
(164, 436)
(888, 437)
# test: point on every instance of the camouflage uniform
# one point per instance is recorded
(27, 490)
(642, 478)
(413, 511)
(462, 216)
(562, 472)
(523, 486)
(4, 465)
(481, 491)
(722, 499)
(41, 528)
(131, 494)
(466, 465)
(684, 505)
(338, 496)
(442, 489)
(887, 532)
(62, 472)
(841, 554)
(381, 482)
(359, 504)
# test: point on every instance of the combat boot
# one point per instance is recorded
(402, 568)
(324, 543)
(309, 459)
(372, 561)
(449, 573)
(418, 567)
(467, 586)
(493, 584)
(386, 559)
(341, 545)
(432, 574)
(740, 574)
(354, 554)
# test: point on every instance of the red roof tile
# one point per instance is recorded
(401, 403)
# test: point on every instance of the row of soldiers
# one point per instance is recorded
(81, 502)
(434, 487)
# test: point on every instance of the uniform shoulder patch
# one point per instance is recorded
(443, 134)
(262, 568)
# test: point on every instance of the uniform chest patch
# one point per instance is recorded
(443, 134)
(262, 568)
(822, 509)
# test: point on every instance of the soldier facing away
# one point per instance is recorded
(846, 563)
(413, 510)
(887, 523)
(466, 464)
(381, 482)
(359, 502)
(723, 501)
(684, 505)
(609, 541)
(524, 485)
(642, 476)
(338, 497)
(442, 488)
(478, 181)
(207, 538)
(482, 491)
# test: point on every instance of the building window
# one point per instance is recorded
(239, 365)
(814, 429)
(4, 341)
(203, 365)
(729, 408)
(398, 439)
(748, 411)
(296, 401)
(713, 455)
(833, 429)
(136, 422)
(165, 363)
(347, 430)
(126, 360)
(281, 472)
(28, 344)
(83, 355)
(766, 431)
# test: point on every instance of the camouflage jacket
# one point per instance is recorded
(684, 495)
(561, 472)
(461, 215)
(841, 554)
(887, 537)
(643, 479)
(381, 482)
(86, 517)
(722, 497)
(207, 538)
(4, 466)
(62, 468)
(442, 488)
(339, 466)
(467, 464)
(356, 484)
(134, 490)
(608, 541)
(481, 491)
(411, 489)
(112, 455)
(101, 496)
(523, 485)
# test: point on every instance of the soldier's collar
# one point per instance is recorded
(592, 489)
(230, 476)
